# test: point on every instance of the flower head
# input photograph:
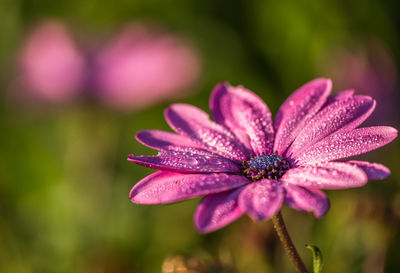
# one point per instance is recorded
(243, 162)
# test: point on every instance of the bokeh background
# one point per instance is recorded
(64, 177)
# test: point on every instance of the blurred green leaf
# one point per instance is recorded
(318, 260)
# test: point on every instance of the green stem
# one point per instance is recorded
(290, 249)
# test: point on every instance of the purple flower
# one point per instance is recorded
(243, 162)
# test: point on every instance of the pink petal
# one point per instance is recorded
(328, 175)
(297, 110)
(374, 171)
(195, 123)
(346, 144)
(167, 187)
(261, 199)
(188, 160)
(307, 199)
(245, 114)
(217, 210)
(342, 95)
(161, 140)
(342, 115)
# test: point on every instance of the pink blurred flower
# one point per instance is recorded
(243, 162)
(53, 68)
(139, 67)
(372, 70)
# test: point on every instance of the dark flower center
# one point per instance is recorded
(270, 166)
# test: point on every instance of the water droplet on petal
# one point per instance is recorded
(193, 161)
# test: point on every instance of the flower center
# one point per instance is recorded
(270, 166)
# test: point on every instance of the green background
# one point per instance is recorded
(65, 180)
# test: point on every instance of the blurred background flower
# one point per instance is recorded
(53, 68)
(64, 177)
(140, 66)
(369, 69)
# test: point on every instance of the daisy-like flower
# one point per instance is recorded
(243, 162)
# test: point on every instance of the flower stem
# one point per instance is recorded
(290, 249)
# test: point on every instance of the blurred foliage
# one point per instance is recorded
(64, 178)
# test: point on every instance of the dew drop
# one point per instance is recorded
(193, 161)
